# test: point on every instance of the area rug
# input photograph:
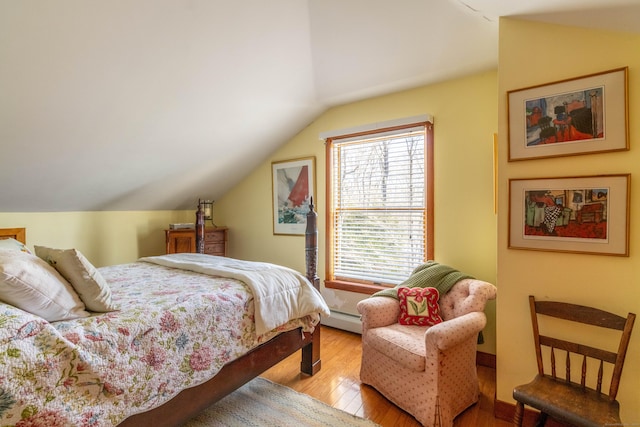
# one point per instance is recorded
(263, 403)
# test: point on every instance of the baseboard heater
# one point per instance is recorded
(344, 321)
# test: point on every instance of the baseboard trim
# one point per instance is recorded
(344, 321)
(486, 359)
(505, 411)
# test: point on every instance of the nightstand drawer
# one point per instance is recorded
(214, 236)
(215, 249)
(215, 241)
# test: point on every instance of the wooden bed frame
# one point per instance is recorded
(233, 375)
(14, 233)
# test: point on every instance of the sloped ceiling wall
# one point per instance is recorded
(151, 104)
(145, 104)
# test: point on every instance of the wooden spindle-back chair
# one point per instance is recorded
(556, 395)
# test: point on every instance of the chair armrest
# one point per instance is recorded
(466, 296)
(378, 311)
(452, 332)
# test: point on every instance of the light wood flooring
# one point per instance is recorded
(338, 384)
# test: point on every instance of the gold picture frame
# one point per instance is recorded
(583, 115)
(582, 214)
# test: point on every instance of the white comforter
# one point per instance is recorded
(280, 293)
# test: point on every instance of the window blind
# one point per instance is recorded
(378, 206)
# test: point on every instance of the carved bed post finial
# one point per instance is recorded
(311, 246)
(200, 229)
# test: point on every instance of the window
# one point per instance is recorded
(379, 206)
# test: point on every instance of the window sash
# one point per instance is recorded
(378, 206)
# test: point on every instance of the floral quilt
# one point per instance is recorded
(175, 329)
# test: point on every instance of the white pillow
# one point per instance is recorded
(83, 276)
(32, 285)
(14, 244)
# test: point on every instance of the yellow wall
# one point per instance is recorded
(465, 116)
(105, 238)
(530, 54)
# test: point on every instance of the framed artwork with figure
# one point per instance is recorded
(583, 115)
(585, 214)
(293, 187)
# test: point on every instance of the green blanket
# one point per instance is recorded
(428, 275)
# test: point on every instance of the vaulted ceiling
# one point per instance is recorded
(149, 104)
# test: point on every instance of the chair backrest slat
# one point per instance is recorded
(586, 315)
(580, 313)
(584, 350)
(600, 371)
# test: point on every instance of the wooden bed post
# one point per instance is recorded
(310, 363)
(311, 246)
(200, 229)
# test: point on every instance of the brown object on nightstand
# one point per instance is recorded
(215, 241)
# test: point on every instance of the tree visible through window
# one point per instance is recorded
(379, 199)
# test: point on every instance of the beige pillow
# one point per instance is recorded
(92, 288)
(32, 285)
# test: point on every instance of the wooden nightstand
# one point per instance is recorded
(215, 241)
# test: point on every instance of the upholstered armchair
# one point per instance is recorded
(429, 371)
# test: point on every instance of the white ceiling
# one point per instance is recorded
(150, 104)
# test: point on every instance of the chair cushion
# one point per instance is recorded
(419, 306)
(404, 344)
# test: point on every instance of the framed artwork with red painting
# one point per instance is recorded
(293, 186)
(585, 214)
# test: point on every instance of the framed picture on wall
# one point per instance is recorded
(293, 186)
(583, 115)
(586, 214)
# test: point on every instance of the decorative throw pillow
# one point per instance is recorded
(92, 288)
(14, 244)
(32, 285)
(419, 306)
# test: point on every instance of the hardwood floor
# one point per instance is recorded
(338, 384)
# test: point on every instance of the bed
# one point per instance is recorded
(180, 338)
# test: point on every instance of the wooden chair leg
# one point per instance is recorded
(517, 417)
(542, 420)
